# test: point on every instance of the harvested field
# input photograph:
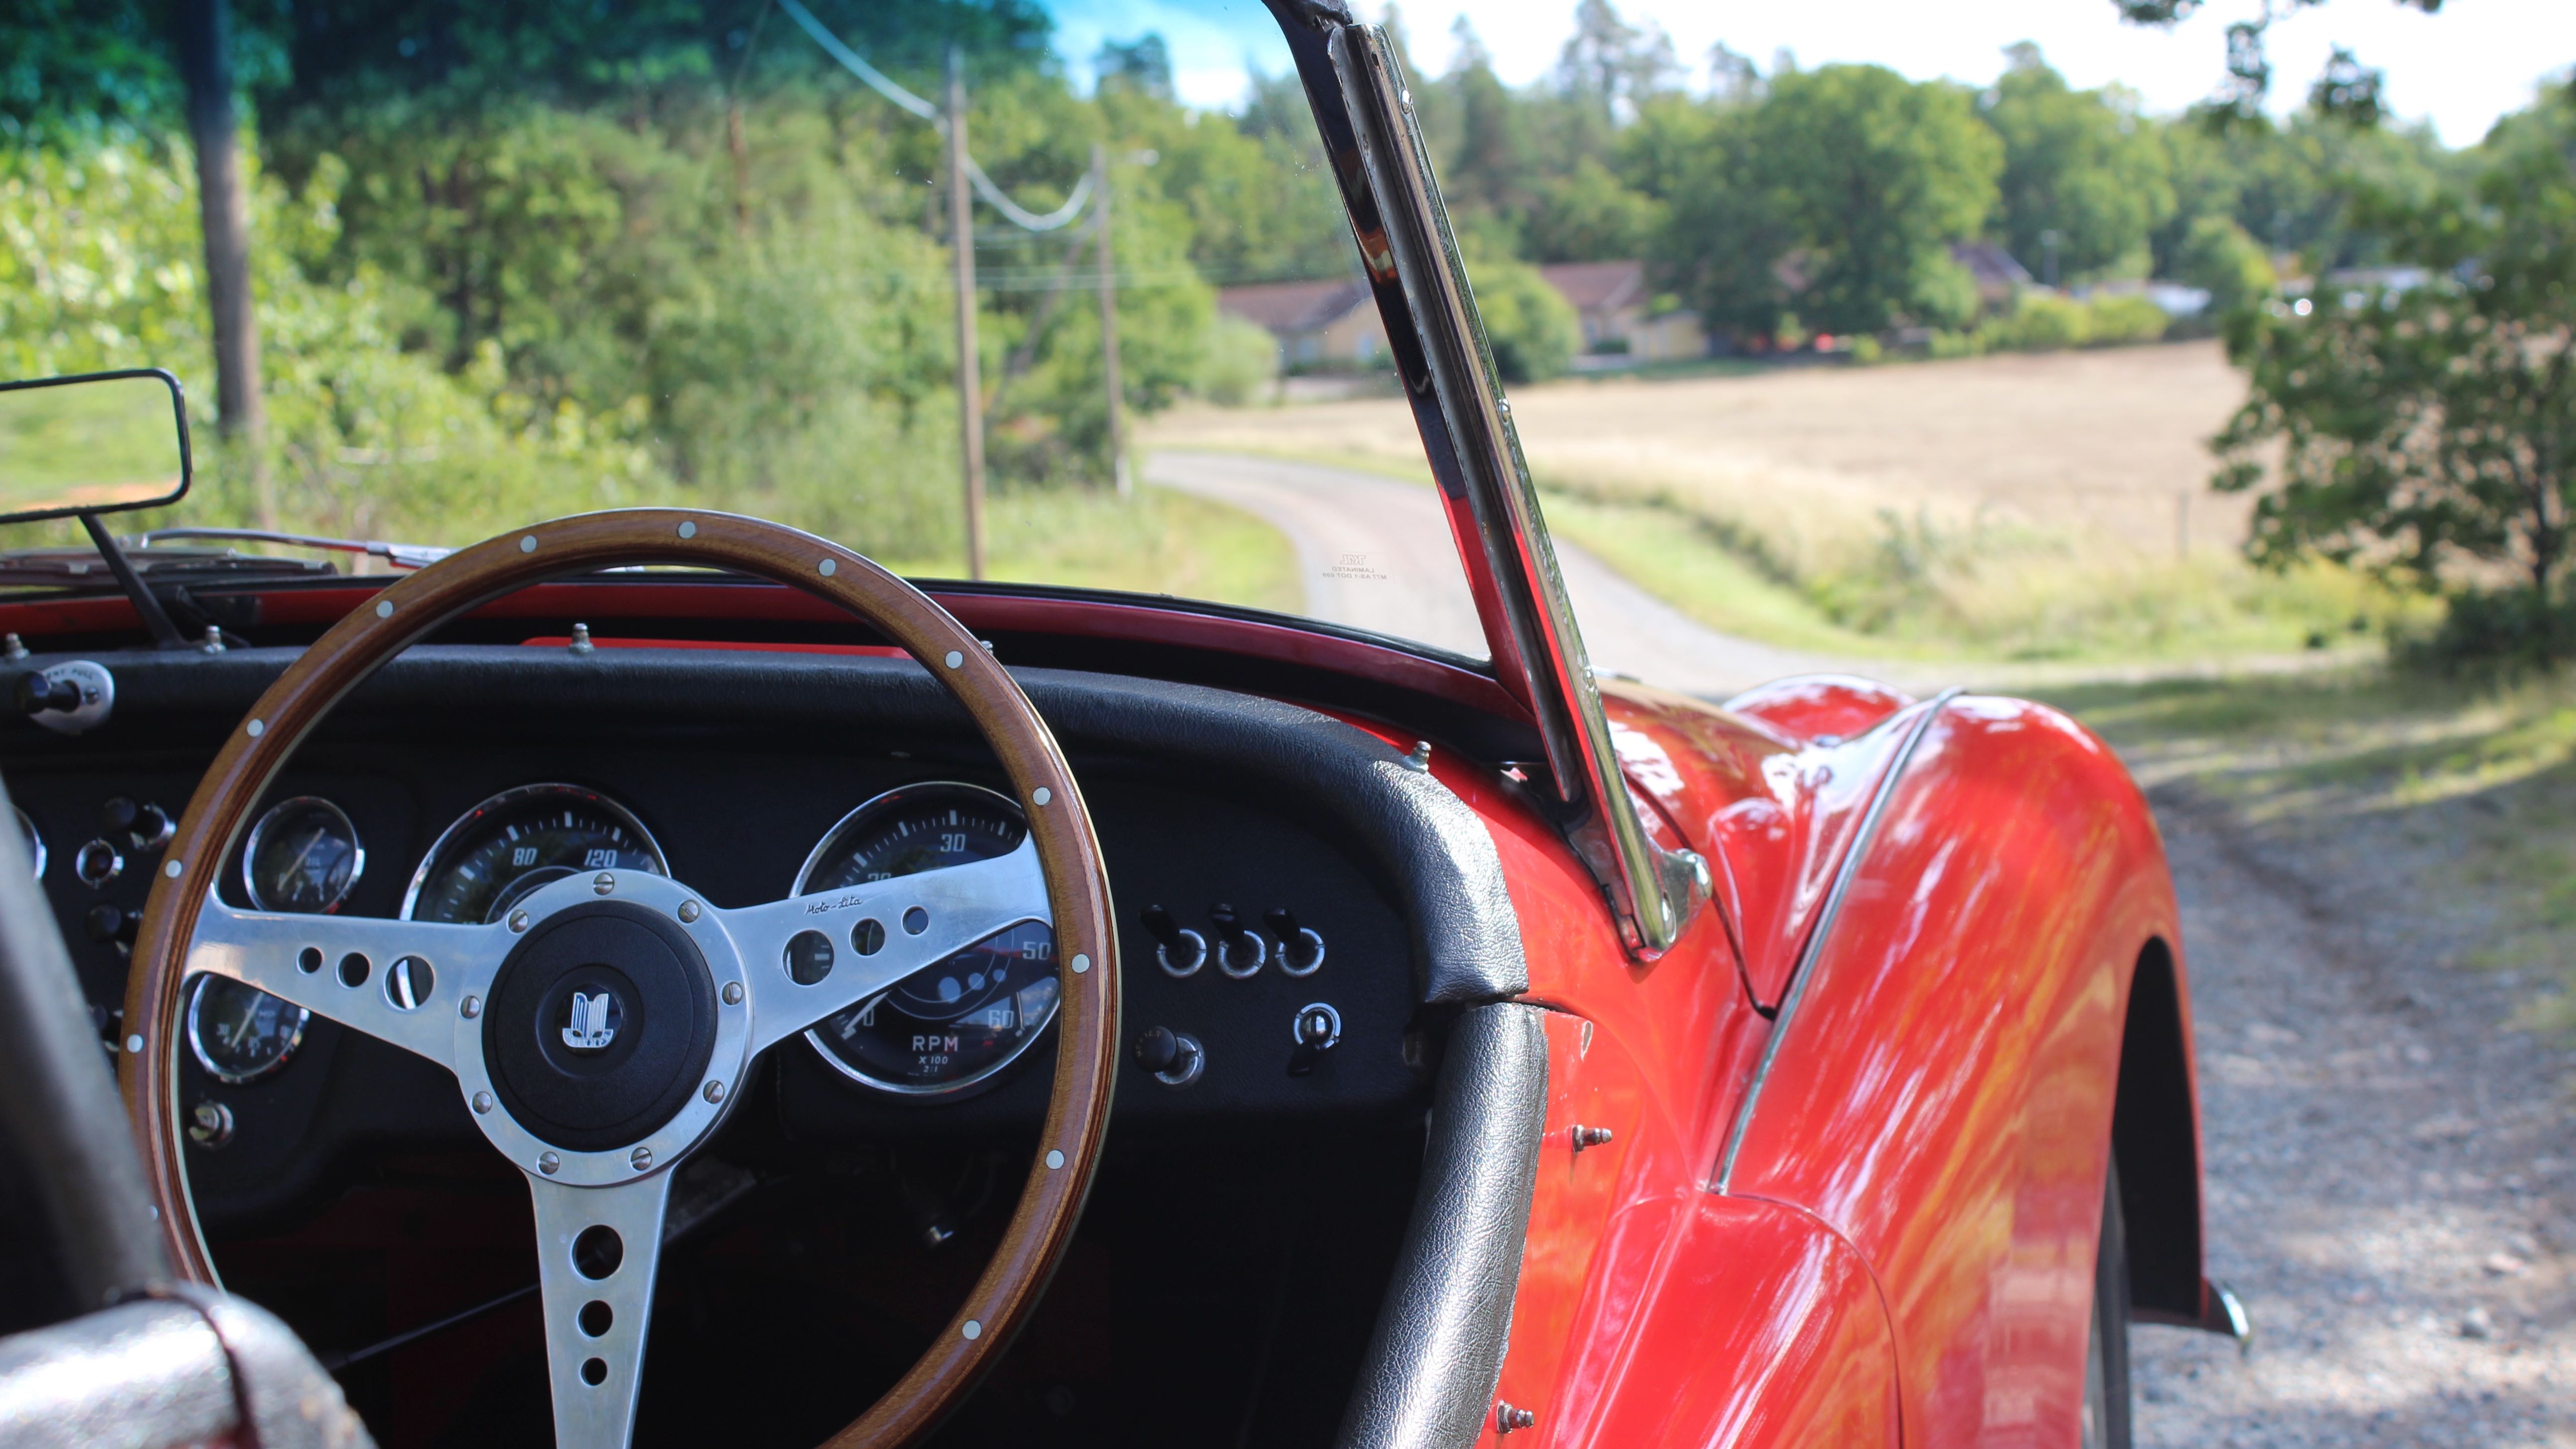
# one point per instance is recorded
(2023, 506)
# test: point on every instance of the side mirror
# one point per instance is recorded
(99, 443)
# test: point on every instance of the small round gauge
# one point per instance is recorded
(35, 842)
(951, 1025)
(303, 857)
(508, 846)
(241, 1033)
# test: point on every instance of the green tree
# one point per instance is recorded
(2423, 427)
(2082, 170)
(1592, 216)
(1836, 197)
(2219, 257)
(1529, 324)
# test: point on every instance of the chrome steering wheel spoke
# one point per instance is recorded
(399, 981)
(810, 956)
(598, 1249)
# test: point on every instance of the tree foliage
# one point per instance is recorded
(1836, 198)
(2426, 423)
(2083, 171)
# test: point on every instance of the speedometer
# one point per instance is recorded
(956, 1023)
(500, 851)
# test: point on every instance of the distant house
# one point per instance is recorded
(1618, 316)
(2172, 298)
(2000, 277)
(1320, 326)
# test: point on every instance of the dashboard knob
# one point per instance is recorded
(117, 813)
(1157, 1049)
(152, 827)
(1172, 1058)
(106, 923)
(35, 694)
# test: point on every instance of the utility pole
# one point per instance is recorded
(206, 66)
(1109, 323)
(970, 387)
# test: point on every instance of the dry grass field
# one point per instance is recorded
(2025, 506)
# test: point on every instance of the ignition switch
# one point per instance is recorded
(1318, 1029)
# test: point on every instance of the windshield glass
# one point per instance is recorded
(510, 265)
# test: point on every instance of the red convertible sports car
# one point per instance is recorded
(655, 976)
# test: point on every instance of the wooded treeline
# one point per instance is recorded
(590, 254)
(1771, 196)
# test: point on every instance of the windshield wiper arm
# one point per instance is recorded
(400, 555)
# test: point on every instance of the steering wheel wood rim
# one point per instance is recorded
(1068, 853)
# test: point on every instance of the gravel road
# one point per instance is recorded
(2390, 1184)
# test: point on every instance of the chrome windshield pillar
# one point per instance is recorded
(1403, 229)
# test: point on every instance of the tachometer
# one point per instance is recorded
(954, 1024)
(508, 846)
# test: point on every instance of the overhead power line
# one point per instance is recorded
(887, 87)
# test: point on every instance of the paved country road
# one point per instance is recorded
(1375, 553)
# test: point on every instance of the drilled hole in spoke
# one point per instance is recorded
(354, 968)
(597, 1252)
(408, 982)
(309, 960)
(916, 920)
(868, 936)
(809, 957)
(594, 1372)
(596, 1317)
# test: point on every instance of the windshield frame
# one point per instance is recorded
(1437, 338)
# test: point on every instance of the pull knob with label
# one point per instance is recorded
(1170, 1057)
(35, 694)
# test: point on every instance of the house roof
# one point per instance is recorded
(1293, 307)
(1990, 264)
(1598, 286)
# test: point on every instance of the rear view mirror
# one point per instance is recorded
(99, 443)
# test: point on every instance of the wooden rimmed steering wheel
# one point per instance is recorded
(664, 1000)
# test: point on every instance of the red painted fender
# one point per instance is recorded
(1941, 1093)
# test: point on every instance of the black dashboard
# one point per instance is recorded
(1270, 969)
(1256, 1213)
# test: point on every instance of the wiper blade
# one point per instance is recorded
(400, 555)
(83, 568)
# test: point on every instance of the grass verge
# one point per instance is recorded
(2480, 777)
(1155, 542)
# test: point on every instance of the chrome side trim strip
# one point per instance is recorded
(1824, 928)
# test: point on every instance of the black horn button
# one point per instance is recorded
(600, 1026)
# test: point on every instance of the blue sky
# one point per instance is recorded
(2475, 61)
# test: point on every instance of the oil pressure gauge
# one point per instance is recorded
(303, 857)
